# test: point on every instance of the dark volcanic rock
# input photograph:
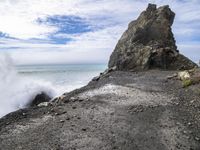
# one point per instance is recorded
(43, 97)
(148, 43)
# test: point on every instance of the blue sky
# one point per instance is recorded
(84, 31)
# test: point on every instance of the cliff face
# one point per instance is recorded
(149, 43)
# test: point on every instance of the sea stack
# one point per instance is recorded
(149, 43)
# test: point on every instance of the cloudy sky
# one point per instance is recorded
(84, 31)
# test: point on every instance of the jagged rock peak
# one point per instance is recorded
(149, 43)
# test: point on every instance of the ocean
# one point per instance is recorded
(20, 84)
(66, 76)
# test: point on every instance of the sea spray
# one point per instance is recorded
(16, 91)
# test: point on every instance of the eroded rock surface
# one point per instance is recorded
(123, 111)
(148, 43)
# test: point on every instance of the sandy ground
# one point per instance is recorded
(123, 110)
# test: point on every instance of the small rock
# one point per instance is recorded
(73, 99)
(184, 75)
(83, 129)
(197, 138)
(177, 103)
(172, 76)
(64, 112)
(192, 101)
(44, 104)
(62, 121)
(80, 100)
(61, 97)
(67, 118)
(112, 113)
(185, 132)
(74, 107)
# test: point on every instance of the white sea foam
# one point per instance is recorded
(19, 85)
(16, 91)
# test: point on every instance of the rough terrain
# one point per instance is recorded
(123, 110)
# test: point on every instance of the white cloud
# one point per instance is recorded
(18, 20)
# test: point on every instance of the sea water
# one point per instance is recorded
(20, 84)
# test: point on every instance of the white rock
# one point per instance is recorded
(183, 75)
(44, 104)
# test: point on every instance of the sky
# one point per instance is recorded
(84, 31)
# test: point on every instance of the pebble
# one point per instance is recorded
(197, 138)
(44, 104)
(73, 99)
(67, 118)
(83, 129)
(80, 100)
(185, 132)
(192, 101)
(62, 121)
(74, 107)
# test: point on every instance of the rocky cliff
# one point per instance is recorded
(148, 43)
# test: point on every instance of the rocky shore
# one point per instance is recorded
(123, 110)
(138, 103)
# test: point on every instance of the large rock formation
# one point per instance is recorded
(148, 43)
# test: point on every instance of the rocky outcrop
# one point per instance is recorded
(39, 98)
(148, 43)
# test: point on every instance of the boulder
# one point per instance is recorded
(39, 98)
(184, 75)
(148, 43)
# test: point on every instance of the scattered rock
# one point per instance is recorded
(61, 121)
(84, 129)
(67, 118)
(73, 107)
(73, 99)
(197, 138)
(189, 123)
(184, 75)
(61, 97)
(44, 104)
(172, 76)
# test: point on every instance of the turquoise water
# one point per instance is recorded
(67, 76)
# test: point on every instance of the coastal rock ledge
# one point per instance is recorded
(148, 43)
(120, 110)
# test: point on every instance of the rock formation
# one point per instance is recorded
(39, 98)
(148, 43)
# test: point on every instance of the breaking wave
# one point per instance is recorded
(17, 91)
